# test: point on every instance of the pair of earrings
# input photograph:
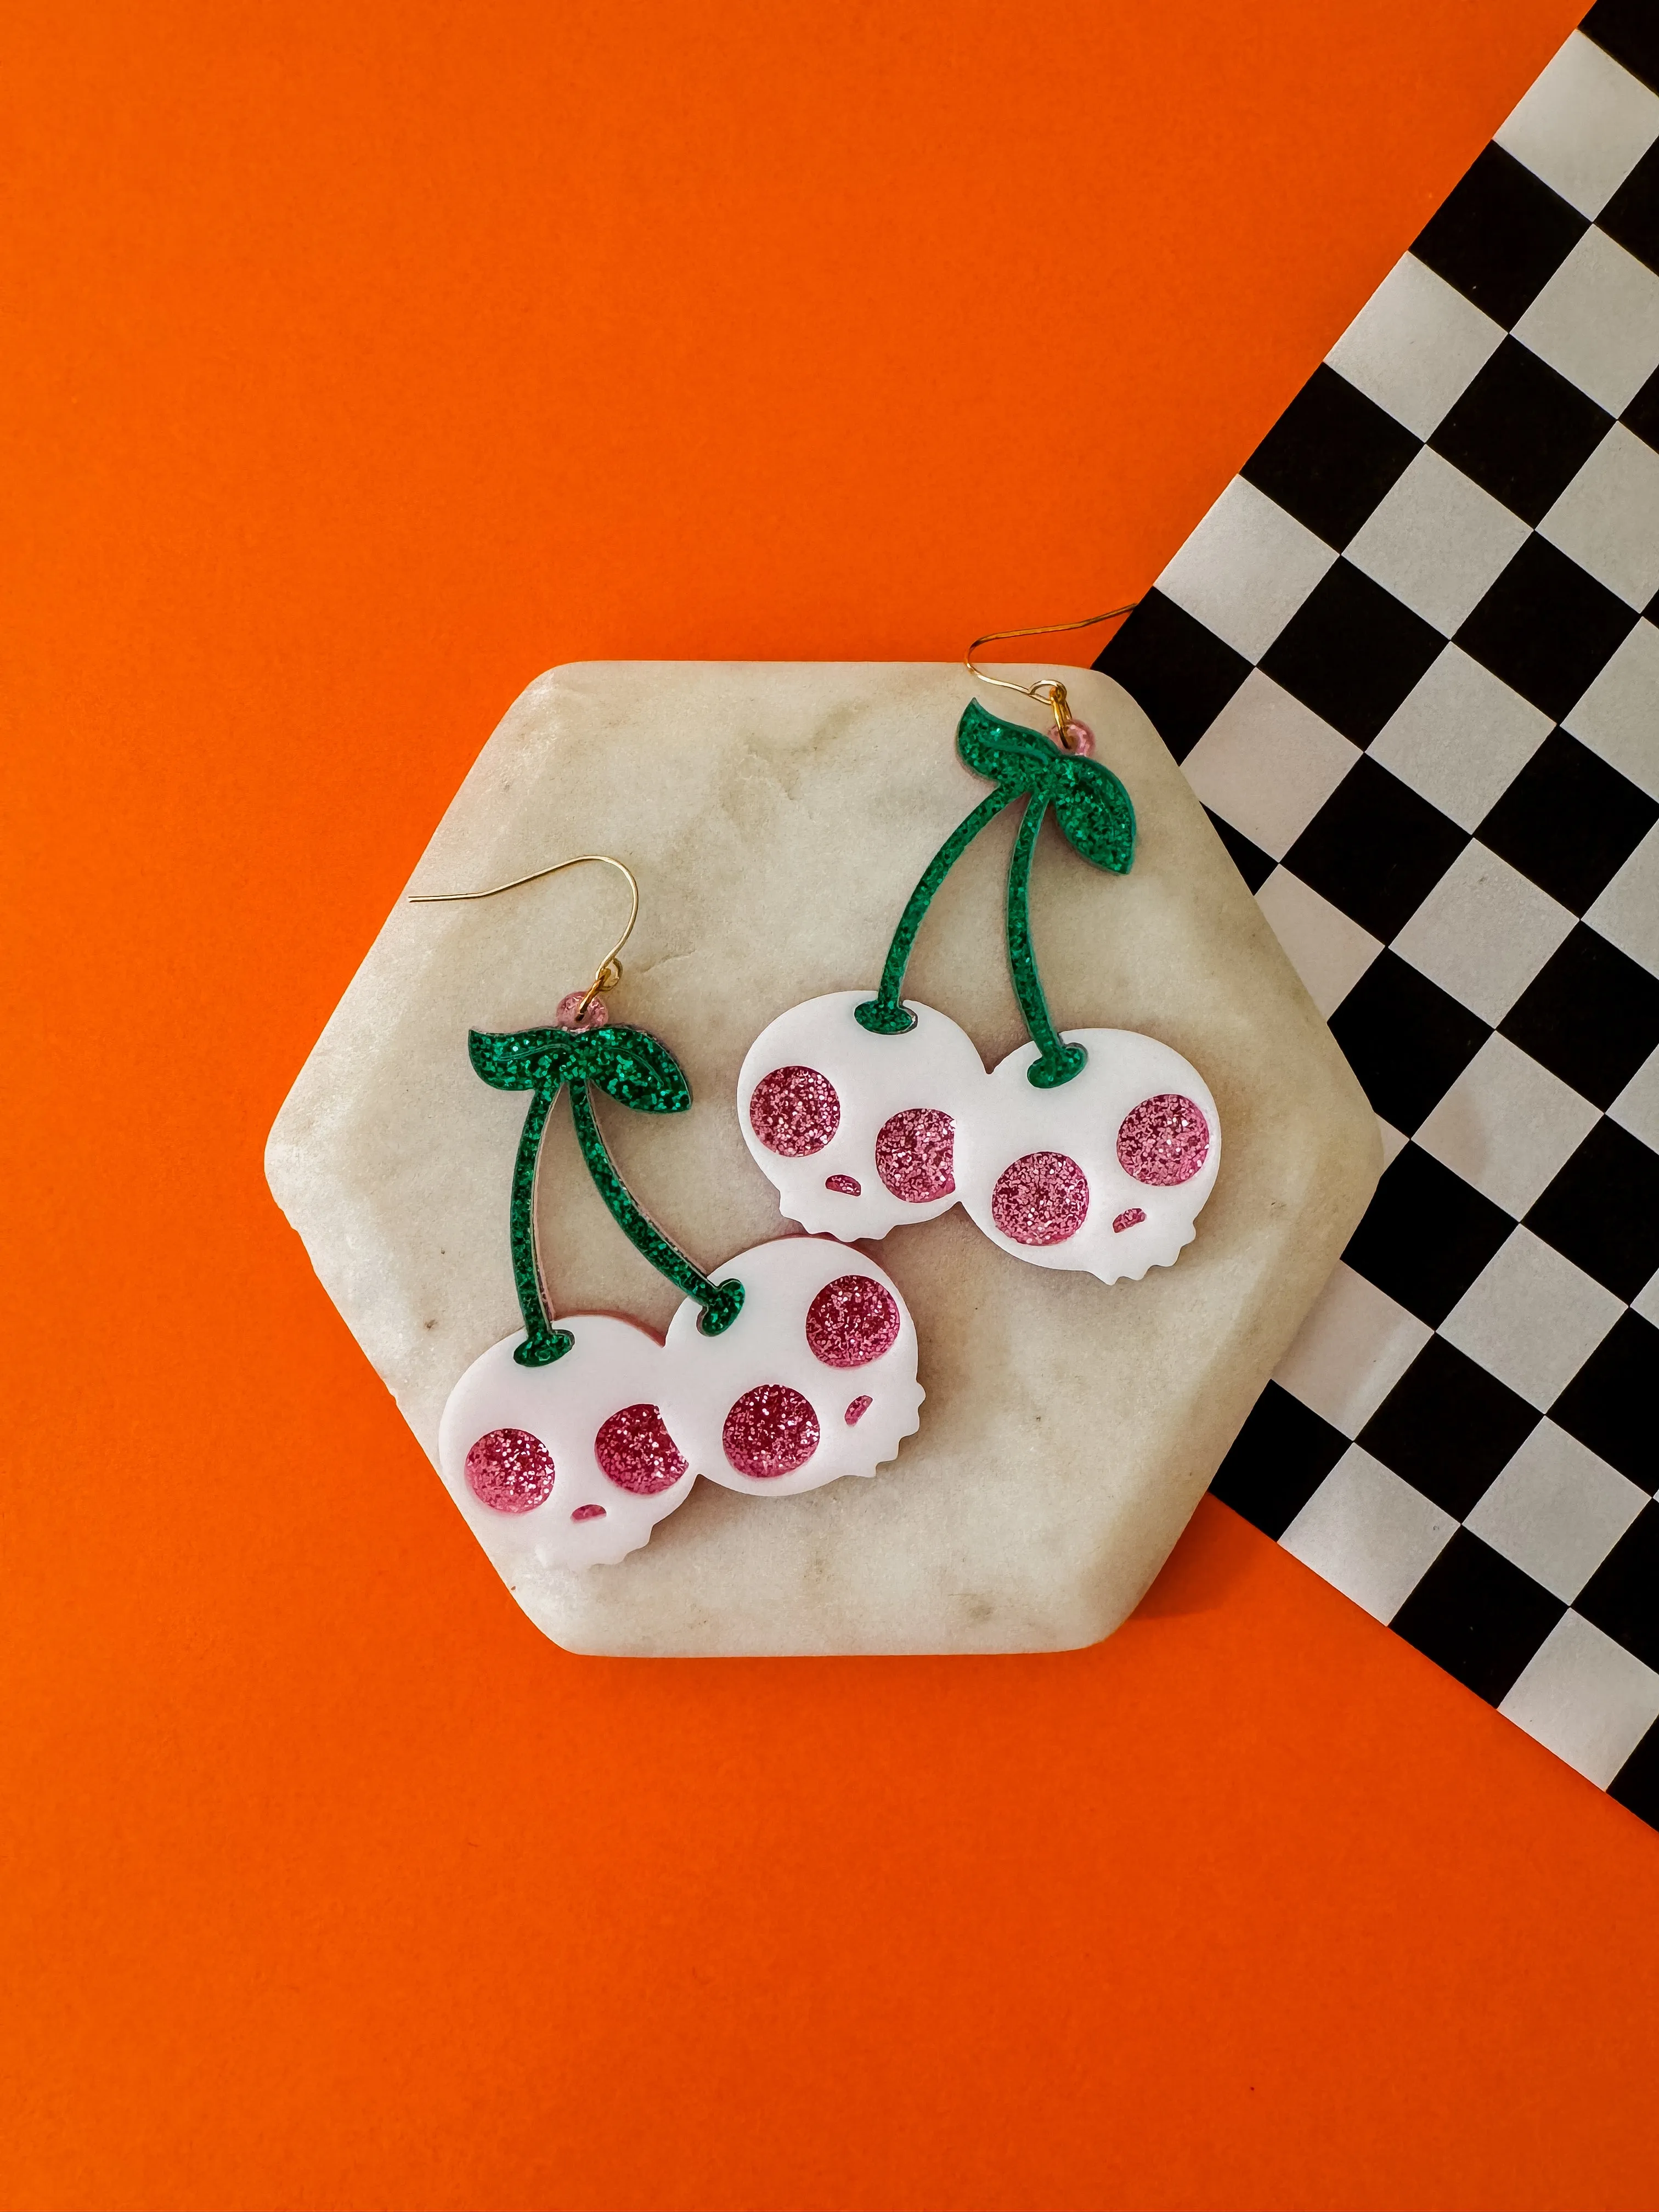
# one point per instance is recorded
(795, 1363)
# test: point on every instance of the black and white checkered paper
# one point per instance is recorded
(1410, 661)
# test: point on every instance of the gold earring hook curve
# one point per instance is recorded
(608, 975)
(1048, 692)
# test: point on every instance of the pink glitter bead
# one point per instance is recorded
(856, 1411)
(510, 1471)
(1042, 1198)
(636, 1451)
(852, 1322)
(794, 1111)
(588, 1513)
(916, 1155)
(848, 1186)
(569, 1017)
(1128, 1220)
(770, 1431)
(1079, 737)
(1165, 1140)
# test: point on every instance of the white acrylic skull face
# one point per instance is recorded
(856, 1131)
(1106, 1172)
(571, 1465)
(816, 1378)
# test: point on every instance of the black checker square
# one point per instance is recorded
(1629, 31)
(1630, 217)
(1376, 849)
(1569, 821)
(1609, 1403)
(1622, 1597)
(1331, 458)
(1351, 652)
(1478, 1616)
(1635, 1785)
(1426, 1235)
(1642, 415)
(1180, 674)
(1247, 857)
(1602, 1211)
(1448, 1427)
(1499, 236)
(1521, 431)
(1278, 1460)
(1546, 628)
(1406, 1039)
(1590, 1016)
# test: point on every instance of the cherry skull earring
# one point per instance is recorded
(793, 1363)
(1093, 1149)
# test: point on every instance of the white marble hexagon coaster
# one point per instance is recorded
(777, 817)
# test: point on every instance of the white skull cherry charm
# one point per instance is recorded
(1094, 1150)
(795, 1363)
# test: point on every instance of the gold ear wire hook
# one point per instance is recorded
(609, 972)
(1048, 692)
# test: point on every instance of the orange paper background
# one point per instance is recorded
(372, 359)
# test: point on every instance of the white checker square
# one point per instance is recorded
(1246, 569)
(1597, 321)
(1415, 346)
(1395, 1142)
(1439, 542)
(1637, 1106)
(1460, 736)
(1507, 1126)
(1618, 718)
(1350, 1351)
(1556, 1510)
(1583, 126)
(1585, 1697)
(1627, 912)
(1484, 932)
(1268, 763)
(1646, 1301)
(1368, 1531)
(1327, 950)
(1608, 517)
(1531, 1318)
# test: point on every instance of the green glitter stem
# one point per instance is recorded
(885, 1014)
(543, 1343)
(721, 1302)
(1056, 1062)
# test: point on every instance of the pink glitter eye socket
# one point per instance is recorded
(1130, 1219)
(794, 1111)
(1165, 1140)
(1041, 1199)
(510, 1471)
(770, 1431)
(636, 1451)
(850, 1322)
(916, 1155)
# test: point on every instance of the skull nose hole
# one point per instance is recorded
(848, 1186)
(1136, 1213)
(588, 1513)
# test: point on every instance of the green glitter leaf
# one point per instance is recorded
(1094, 812)
(1006, 752)
(633, 1067)
(525, 1059)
